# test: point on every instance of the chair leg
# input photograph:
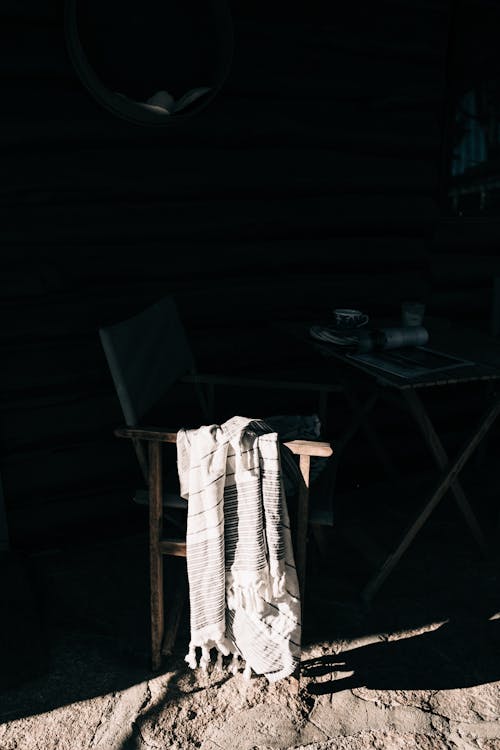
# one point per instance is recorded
(175, 613)
(301, 548)
(302, 523)
(155, 555)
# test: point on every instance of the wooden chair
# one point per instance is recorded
(147, 354)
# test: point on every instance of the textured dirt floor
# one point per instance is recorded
(419, 669)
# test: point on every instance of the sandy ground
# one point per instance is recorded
(419, 669)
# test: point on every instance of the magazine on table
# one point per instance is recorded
(411, 362)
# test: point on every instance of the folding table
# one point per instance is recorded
(483, 354)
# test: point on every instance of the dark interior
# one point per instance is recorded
(321, 174)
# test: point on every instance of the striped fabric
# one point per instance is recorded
(243, 588)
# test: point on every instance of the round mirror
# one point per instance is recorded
(154, 63)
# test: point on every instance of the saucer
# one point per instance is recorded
(348, 330)
(330, 335)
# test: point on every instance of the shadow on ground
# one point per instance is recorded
(462, 652)
(86, 631)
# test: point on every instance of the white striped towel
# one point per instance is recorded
(243, 588)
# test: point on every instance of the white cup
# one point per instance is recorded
(348, 318)
(412, 313)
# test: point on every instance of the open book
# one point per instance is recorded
(410, 362)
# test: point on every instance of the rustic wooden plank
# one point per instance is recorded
(461, 304)
(318, 293)
(34, 476)
(100, 514)
(319, 12)
(467, 270)
(69, 316)
(280, 70)
(91, 176)
(265, 218)
(467, 234)
(37, 51)
(49, 419)
(67, 119)
(31, 11)
(44, 43)
(4, 532)
(408, 36)
(47, 371)
(106, 267)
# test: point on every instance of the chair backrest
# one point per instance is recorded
(146, 355)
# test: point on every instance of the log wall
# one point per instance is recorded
(310, 182)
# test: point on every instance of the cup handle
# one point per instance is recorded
(364, 320)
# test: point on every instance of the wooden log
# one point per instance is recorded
(278, 69)
(461, 304)
(416, 39)
(231, 121)
(467, 235)
(36, 51)
(282, 45)
(106, 267)
(177, 175)
(70, 316)
(466, 270)
(48, 371)
(52, 327)
(35, 476)
(101, 514)
(321, 13)
(30, 11)
(31, 423)
(263, 218)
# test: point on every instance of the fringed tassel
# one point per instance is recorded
(190, 657)
(205, 658)
(234, 667)
(224, 646)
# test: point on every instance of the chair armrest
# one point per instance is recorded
(310, 448)
(299, 447)
(147, 433)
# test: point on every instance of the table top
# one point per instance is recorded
(479, 349)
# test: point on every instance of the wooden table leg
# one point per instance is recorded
(447, 480)
(437, 450)
(360, 421)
